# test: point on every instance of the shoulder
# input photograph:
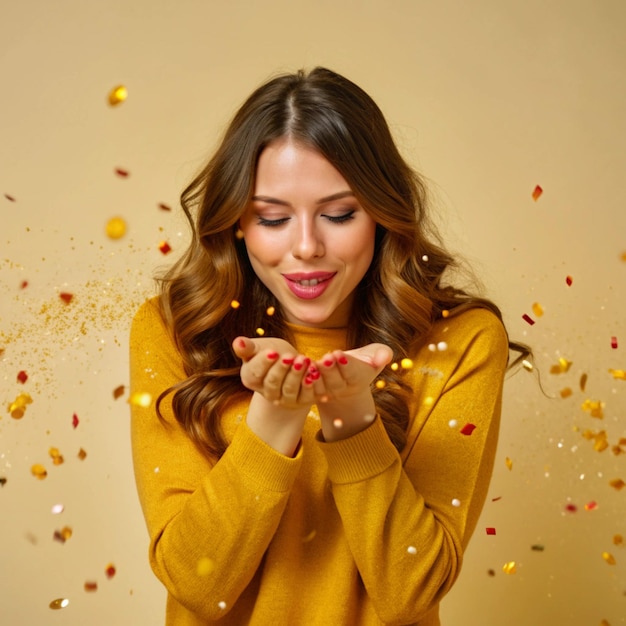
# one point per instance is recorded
(148, 321)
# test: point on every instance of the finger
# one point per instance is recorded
(276, 375)
(292, 383)
(254, 371)
(244, 348)
(332, 378)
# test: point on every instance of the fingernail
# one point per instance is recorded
(328, 362)
(315, 375)
(298, 366)
(272, 355)
(242, 343)
(287, 361)
(308, 380)
(307, 361)
(343, 360)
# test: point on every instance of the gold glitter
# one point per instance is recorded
(234, 304)
(618, 374)
(566, 392)
(270, 310)
(116, 228)
(594, 408)
(617, 483)
(38, 471)
(562, 366)
(406, 364)
(510, 567)
(380, 384)
(609, 558)
(394, 366)
(18, 407)
(509, 463)
(260, 332)
(537, 309)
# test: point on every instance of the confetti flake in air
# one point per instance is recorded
(121, 172)
(468, 429)
(164, 207)
(510, 567)
(566, 392)
(75, 420)
(406, 364)
(618, 540)
(561, 367)
(270, 310)
(609, 558)
(165, 247)
(82, 455)
(380, 384)
(591, 506)
(571, 508)
(56, 456)
(509, 463)
(59, 603)
(537, 191)
(537, 547)
(528, 319)
(91, 586)
(537, 309)
(260, 332)
(115, 228)
(17, 408)
(22, 377)
(63, 535)
(117, 95)
(583, 382)
(138, 398)
(569, 280)
(234, 304)
(594, 408)
(618, 374)
(205, 566)
(490, 530)
(118, 392)
(110, 570)
(614, 343)
(9, 197)
(617, 483)
(38, 471)
(66, 297)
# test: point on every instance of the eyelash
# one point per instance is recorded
(335, 219)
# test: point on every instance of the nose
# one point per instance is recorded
(307, 241)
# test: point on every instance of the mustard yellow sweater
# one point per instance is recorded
(349, 533)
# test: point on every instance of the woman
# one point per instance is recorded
(325, 408)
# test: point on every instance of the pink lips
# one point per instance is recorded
(308, 285)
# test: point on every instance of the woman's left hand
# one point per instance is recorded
(342, 384)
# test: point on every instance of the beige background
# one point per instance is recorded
(488, 98)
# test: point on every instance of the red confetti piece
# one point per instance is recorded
(165, 247)
(490, 530)
(164, 207)
(110, 570)
(121, 173)
(468, 429)
(569, 280)
(8, 197)
(75, 420)
(614, 343)
(571, 508)
(22, 377)
(591, 506)
(66, 297)
(528, 319)
(537, 191)
(24, 284)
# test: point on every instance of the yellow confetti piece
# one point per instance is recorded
(18, 407)
(205, 566)
(594, 408)
(394, 367)
(510, 567)
(406, 364)
(537, 309)
(117, 95)
(617, 483)
(38, 471)
(618, 540)
(509, 463)
(234, 304)
(90, 586)
(270, 310)
(260, 332)
(139, 398)
(115, 228)
(380, 384)
(566, 392)
(609, 558)
(82, 455)
(618, 374)
(445, 313)
(562, 366)
(59, 603)
(56, 456)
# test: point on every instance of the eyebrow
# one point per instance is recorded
(334, 196)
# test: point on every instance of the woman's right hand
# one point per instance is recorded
(282, 398)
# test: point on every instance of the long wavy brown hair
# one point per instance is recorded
(399, 298)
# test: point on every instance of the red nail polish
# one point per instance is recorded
(315, 375)
(308, 380)
(328, 362)
(298, 366)
(288, 361)
(272, 355)
(343, 360)
(242, 343)
(307, 361)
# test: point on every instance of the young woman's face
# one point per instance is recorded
(308, 239)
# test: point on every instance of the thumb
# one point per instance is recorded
(244, 348)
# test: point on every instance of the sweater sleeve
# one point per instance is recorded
(408, 517)
(209, 522)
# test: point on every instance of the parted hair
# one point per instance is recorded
(403, 292)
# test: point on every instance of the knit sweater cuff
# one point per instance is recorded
(260, 462)
(360, 457)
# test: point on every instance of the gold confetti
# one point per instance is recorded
(18, 407)
(562, 366)
(509, 463)
(380, 384)
(38, 471)
(583, 382)
(406, 363)
(445, 313)
(537, 191)
(270, 310)
(82, 455)
(116, 228)
(63, 535)
(594, 408)
(59, 603)
(234, 304)
(618, 374)
(510, 567)
(56, 456)
(117, 95)
(91, 585)
(617, 483)
(260, 332)
(566, 392)
(118, 392)
(618, 540)
(139, 398)
(205, 566)
(609, 558)
(394, 367)
(537, 309)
